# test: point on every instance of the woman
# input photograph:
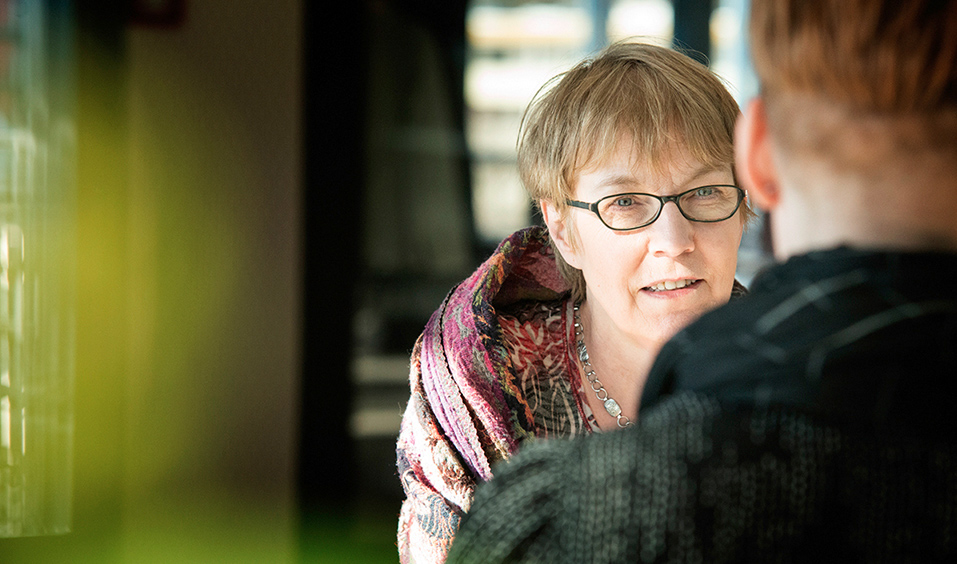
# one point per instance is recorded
(629, 157)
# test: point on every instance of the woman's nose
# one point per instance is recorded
(671, 234)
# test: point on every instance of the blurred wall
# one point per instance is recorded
(214, 146)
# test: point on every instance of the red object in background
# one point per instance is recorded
(157, 13)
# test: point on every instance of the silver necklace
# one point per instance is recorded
(611, 406)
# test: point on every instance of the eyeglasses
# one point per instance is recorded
(705, 204)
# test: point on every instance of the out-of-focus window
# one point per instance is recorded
(514, 48)
(652, 20)
(36, 274)
(729, 48)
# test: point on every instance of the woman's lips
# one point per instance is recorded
(672, 285)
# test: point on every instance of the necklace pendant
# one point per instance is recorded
(583, 353)
(612, 407)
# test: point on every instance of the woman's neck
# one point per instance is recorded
(906, 207)
(620, 361)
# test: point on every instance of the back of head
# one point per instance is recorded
(860, 83)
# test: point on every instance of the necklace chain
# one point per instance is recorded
(611, 406)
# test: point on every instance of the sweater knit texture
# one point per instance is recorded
(810, 421)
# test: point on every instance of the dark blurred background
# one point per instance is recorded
(268, 200)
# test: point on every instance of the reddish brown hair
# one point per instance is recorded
(838, 73)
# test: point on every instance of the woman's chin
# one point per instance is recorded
(669, 321)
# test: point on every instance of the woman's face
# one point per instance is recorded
(653, 281)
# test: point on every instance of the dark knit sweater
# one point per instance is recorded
(808, 422)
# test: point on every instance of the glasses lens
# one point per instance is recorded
(710, 203)
(627, 211)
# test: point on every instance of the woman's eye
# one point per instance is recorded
(624, 202)
(704, 192)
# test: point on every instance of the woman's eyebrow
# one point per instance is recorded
(629, 182)
(619, 180)
(706, 169)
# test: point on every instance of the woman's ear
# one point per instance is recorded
(560, 229)
(753, 156)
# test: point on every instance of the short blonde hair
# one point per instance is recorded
(658, 98)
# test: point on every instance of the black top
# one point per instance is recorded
(809, 421)
(863, 337)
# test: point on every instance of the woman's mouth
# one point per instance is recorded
(667, 285)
